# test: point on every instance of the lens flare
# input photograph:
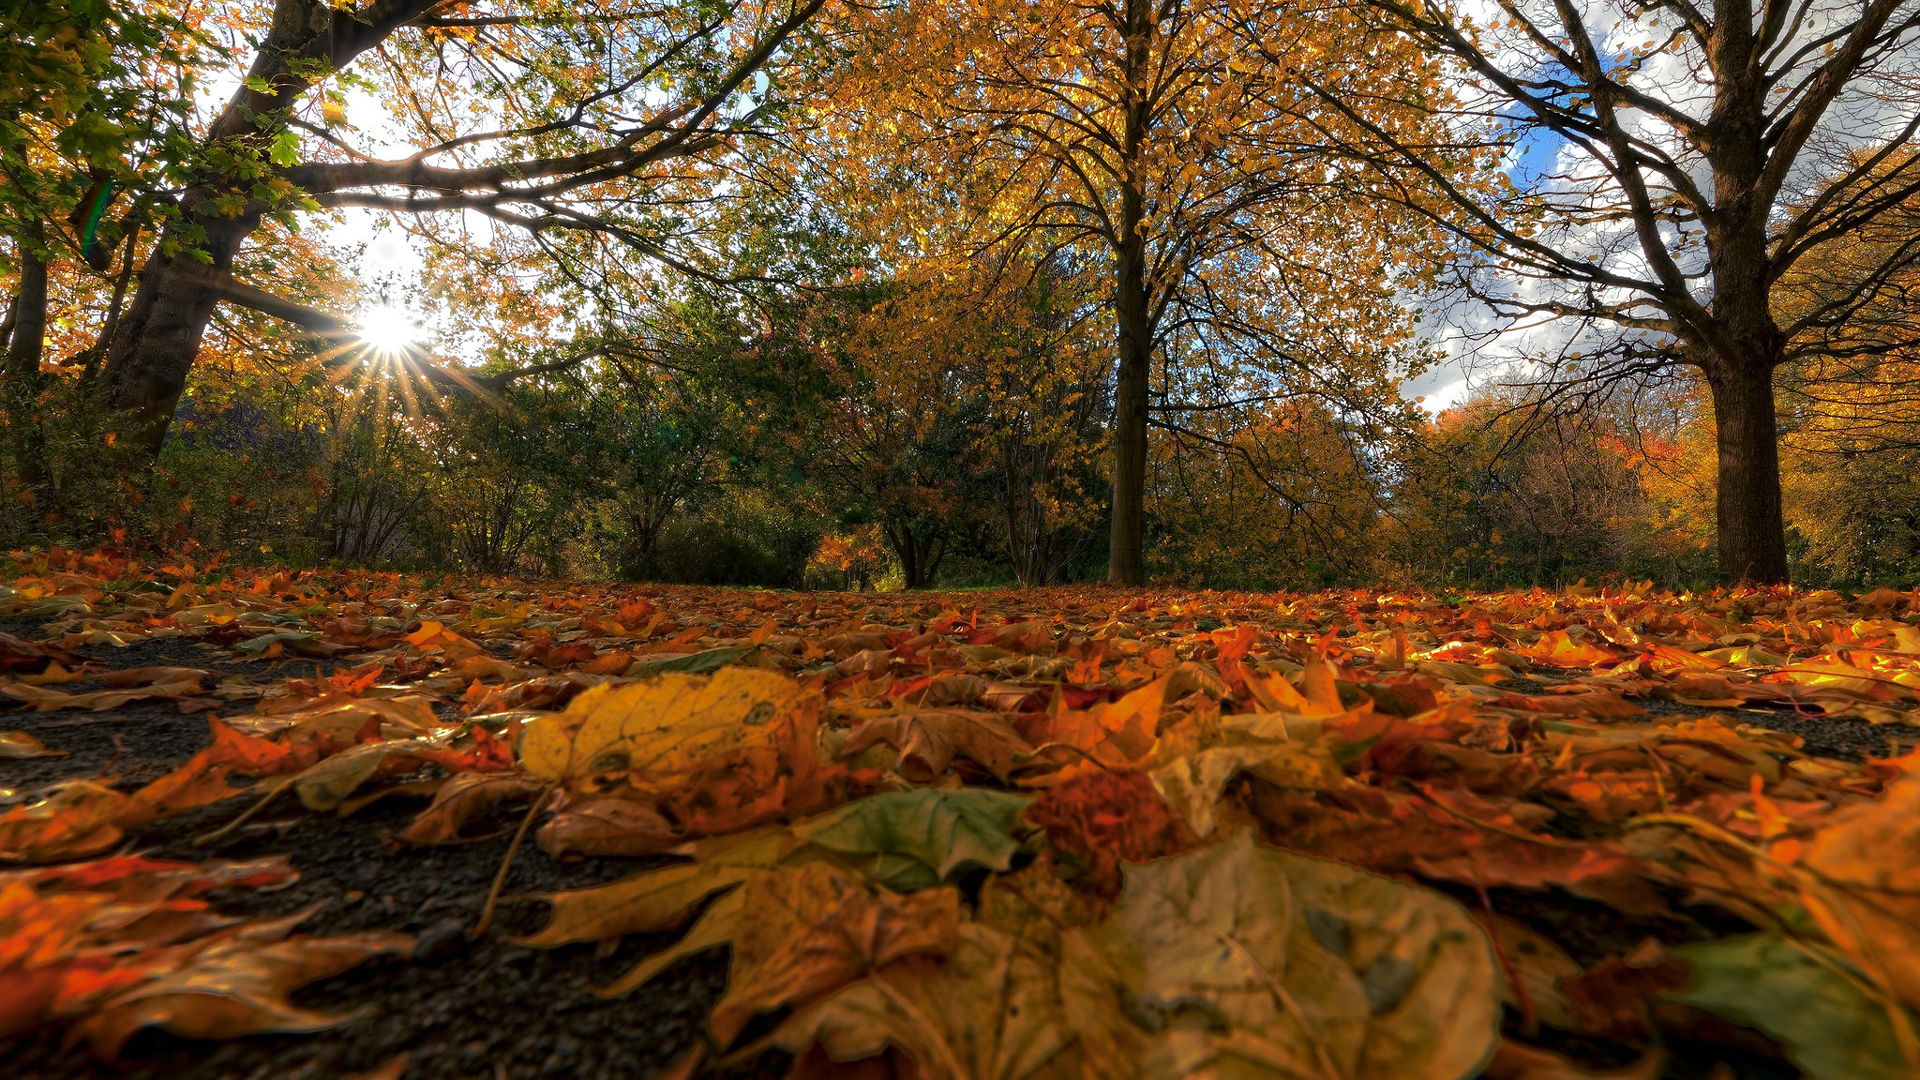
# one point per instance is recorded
(389, 329)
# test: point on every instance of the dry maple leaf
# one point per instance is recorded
(990, 1008)
(658, 731)
(461, 799)
(119, 944)
(608, 827)
(664, 899)
(1239, 957)
(929, 741)
(1103, 819)
(810, 931)
(234, 984)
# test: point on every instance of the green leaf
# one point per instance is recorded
(286, 637)
(258, 85)
(1241, 960)
(700, 663)
(1825, 1021)
(917, 839)
(285, 149)
(332, 780)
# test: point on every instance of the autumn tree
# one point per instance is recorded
(1145, 134)
(1850, 397)
(672, 420)
(1045, 376)
(90, 109)
(541, 117)
(1277, 494)
(1675, 162)
(895, 421)
(1495, 491)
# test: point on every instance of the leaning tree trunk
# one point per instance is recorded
(155, 342)
(1753, 545)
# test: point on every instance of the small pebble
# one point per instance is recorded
(441, 941)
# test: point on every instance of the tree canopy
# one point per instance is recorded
(933, 290)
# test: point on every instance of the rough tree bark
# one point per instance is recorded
(1752, 533)
(1744, 343)
(1126, 563)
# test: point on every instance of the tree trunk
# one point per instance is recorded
(24, 382)
(155, 343)
(1746, 343)
(1753, 544)
(1126, 562)
(1126, 558)
(900, 538)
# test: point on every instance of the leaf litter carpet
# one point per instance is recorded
(348, 824)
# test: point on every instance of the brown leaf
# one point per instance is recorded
(929, 741)
(19, 654)
(463, 798)
(608, 827)
(1513, 1061)
(236, 984)
(809, 932)
(77, 820)
(19, 744)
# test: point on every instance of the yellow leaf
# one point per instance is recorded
(671, 725)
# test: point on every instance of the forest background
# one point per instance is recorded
(826, 295)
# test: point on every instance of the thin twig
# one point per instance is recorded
(500, 878)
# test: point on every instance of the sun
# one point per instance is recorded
(389, 329)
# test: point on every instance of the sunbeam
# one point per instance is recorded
(389, 330)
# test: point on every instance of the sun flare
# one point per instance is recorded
(389, 329)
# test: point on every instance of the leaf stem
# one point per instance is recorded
(500, 878)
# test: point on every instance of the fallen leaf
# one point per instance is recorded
(76, 820)
(1809, 1001)
(1871, 909)
(916, 839)
(1514, 1061)
(667, 728)
(1531, 970)
(929, 741)
(660, 900)
(19, 654)
(1100, 820)
(19, 744)
(461, 799)
(1193, 784)
(1266, 963)
(608, 827)
(235, 985)
(809, 931)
